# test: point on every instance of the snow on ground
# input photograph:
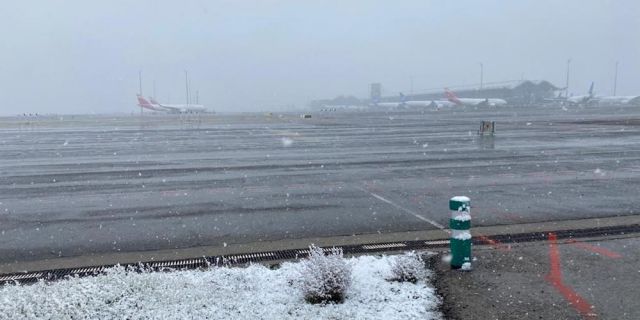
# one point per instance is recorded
(254, 292)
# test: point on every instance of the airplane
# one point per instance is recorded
(592, 99)
(613, 100)
(582, 99)
(617, 100)
(169, 108)
(179, 108)
(143, 103)
(430, 103)
(473, 101)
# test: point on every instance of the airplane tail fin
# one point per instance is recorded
(451, 96)
(591, 89)
(142, 102)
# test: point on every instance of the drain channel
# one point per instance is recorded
(294, 254)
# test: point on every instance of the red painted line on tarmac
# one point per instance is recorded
(494, 243)
(584, 308)
(599, 250)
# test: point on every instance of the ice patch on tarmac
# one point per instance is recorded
(255, 292)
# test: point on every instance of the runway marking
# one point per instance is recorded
(381, 198)
(599, 250)
(584, 308)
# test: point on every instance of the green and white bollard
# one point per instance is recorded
(460, 223)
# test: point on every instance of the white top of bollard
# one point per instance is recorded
(461, 199)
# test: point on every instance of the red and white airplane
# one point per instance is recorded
(170, 108)
(143, 103)
(473, 101)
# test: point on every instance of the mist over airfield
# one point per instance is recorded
(84, 57)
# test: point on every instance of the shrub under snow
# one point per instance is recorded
(254, 292)
(325, 278)
(408, 267)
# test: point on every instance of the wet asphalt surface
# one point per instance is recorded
(93, 184)
(598, 280)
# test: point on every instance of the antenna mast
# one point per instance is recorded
(615, 80)
(186, 83)
(140, 87)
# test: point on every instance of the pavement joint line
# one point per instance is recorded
(411, 212)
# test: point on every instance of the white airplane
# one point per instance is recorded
(430, 104)
(179, 108)
(617, 100)
(473, 101)
(614, 100)
(169, 108)
(592, 99)
(582, 99)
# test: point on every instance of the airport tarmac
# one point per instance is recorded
(96, 184)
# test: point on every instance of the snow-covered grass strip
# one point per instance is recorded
(254, 292)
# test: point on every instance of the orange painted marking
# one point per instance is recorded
(494, 243)
(584, 308)
(599, 250)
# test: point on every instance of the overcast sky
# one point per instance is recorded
(84, 56)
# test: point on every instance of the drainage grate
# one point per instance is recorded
(383, 246)
(204, 262)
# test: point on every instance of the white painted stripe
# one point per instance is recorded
(436, 242)
(433, 223)
(381, 246)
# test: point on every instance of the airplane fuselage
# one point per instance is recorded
(183, 108)
(429, 103)
(480, 102)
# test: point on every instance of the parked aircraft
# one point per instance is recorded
(617, 100)
(143, 103)
(179, 108)
(473, 101)
(169, 108)
(582, 99)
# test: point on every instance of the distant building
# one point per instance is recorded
(376, 91)
(523, 92)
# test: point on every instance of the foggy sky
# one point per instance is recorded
(84, 56)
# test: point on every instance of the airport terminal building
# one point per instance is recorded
(523, 92)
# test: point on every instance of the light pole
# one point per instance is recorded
(140, 87)
(411, 78)
(615, 79)
(186, 85)
(481, 74)
(567, 84)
